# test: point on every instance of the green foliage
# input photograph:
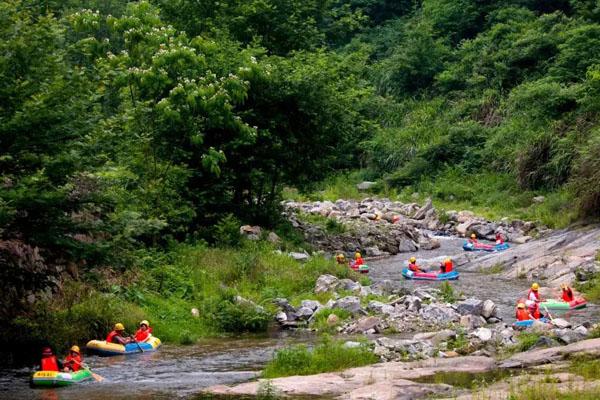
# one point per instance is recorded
(447, 292)
(326, 356)
(588, 368)
(550, 392)
(526, 340)
(320, 320)
(227, 231)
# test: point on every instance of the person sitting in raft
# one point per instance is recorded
(446, 266)
(522, 314)
(412, 265)
(340, 259)
(73, 361)
(144, 332)
(358, 260)
(499, 238)
(533, 300)
(49, 361)
(117, 335)
(473, 239)
(567, 293)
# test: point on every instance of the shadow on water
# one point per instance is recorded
(467, 380)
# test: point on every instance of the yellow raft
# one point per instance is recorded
(102, 348)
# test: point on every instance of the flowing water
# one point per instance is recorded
(182, 371)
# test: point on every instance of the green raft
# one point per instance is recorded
(55, 378)
(553, 304)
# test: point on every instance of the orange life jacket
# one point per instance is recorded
(522, 314)
(447, 267)
(142, 336)
(73, 363)
(111, 336)
(49, 363)
(567, 295)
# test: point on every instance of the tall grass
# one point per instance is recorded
(329, 355)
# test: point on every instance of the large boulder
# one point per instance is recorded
(489, 309)
(366, 323)
(348, 303)
(304, 313)
(326, 283)
(380, 308)
(312, 304)
(569, 336)
(438, 314)
(483, 334)
(406, 245)
(412, 303)
(349, 285)
(470, 306)
(423, 210)
(251, 232)
(561, 323)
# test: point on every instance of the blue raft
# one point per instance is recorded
(528, 322)
(102, 348)
(429, 276)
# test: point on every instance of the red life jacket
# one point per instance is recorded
(142, 336)
(522, 314)
(49, 363)
(73, 363)
(448, 266)
(414, 267)
(567, 295)
(535, 311)
(535, 293)
(359, 261)
(111, 336)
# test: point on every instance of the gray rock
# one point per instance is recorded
(406, 245)
(483, 334)
(304, 313)
(299, 256)
(429, 243)
(373, 251)
(470, 322)
(539, 199)
(251, 232)
(438, 314)
(366, 185)
(312, 304)
(284, 305)
(489, 309)
(470, 306)
(326, 283)
(349, 303)
(569, 336)
(423, 210)
(349, 284)
(412, 303)
(521, 239)
(582, 330)
(383, 287)
(351, 345)
(273, 237)
(365, 291)
(380, 308)
(561, 323)
(483, 230)
(366, 323)
(443, 336)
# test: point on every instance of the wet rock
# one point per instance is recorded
(483, 230)
(349, 303)
(373, 251)
(470, 306)
(406, 245)
(429, 243)
(489, 309)
(326, 283)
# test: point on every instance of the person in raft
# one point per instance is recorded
(473, 239)
(522, 314)
(118, 336)
(533, 301)
(446, 266)
(341, 259)
(412, 265)
(49, 361)
(144, 332)
(358, 260)
(73, 361)
(499, 238)
(567, 293)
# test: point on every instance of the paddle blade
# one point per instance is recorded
(97, 377)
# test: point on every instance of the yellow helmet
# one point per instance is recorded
(563, 286)
(521, 305)
(473, 236)
(357, 255)
(145, 322)
(119, 327)
(447, 260)
(535, 286)
(412, 259)
(75, 349)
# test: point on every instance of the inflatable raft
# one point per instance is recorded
(484, 247)
(363, 269)
(102, 348)
(528, 322)
(55, 378)
(429, 276)
(553, 304)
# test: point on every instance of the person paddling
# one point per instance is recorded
(522, 314)
(144, 332)
(499, 238)
(533, 301)
(412, 265)
(358, 260)
(49, 361)
(73, 361)
(446, 266)
(118, 336)
(567, 293)
(473, 239)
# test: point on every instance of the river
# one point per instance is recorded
(181, 371)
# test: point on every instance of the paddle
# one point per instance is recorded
(96, 377)
(138, 345)
(548, 312)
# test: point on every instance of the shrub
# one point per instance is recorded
(227, 231)
(326, 356)
(586, 177)
(447, 292)
(230, 315)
